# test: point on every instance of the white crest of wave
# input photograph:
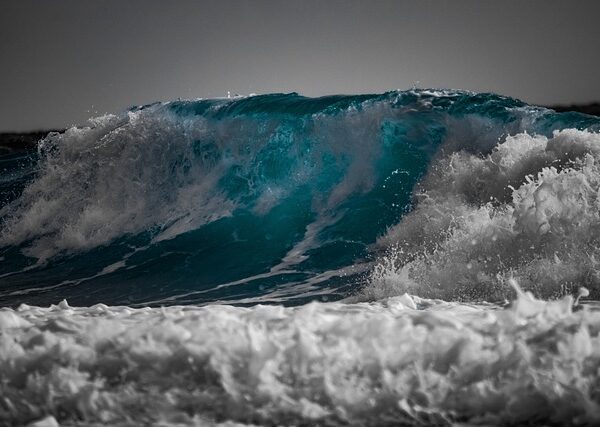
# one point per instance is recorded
(123, 174)
(529, 210)
(401, 360)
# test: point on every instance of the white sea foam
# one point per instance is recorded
(399, 360)
(529, 210)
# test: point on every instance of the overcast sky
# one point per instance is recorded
(64, 61)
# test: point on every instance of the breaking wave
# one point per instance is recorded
(282, 198)
(421, 212)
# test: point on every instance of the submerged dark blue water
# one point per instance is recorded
(271, 198)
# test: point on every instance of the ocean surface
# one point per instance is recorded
(423, 257)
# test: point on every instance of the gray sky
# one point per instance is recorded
(64, 61)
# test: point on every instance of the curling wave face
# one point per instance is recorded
(281, 198)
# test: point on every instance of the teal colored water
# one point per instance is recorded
(275, 198)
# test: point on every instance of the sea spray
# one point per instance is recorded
(528, 210)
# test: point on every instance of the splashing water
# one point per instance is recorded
(401, 360)
(417, 211)
(528, 210)
(281, 198)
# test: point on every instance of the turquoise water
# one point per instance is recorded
(271, 198)
(410, 258)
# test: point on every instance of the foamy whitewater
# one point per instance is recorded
(410, 258)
